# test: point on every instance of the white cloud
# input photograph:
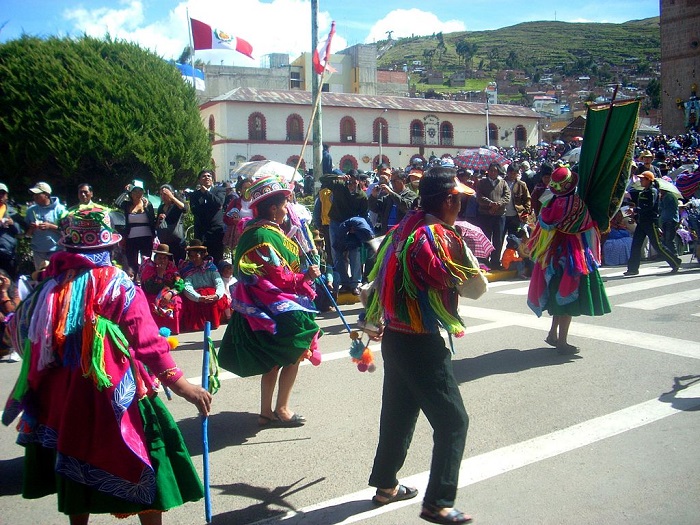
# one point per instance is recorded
(408, 22)
(281, 26)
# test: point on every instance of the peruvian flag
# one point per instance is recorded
(206, 37)
(322, 54)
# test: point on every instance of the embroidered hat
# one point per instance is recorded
(647, 175)
(164, 249)
(563, 181)
(265, 187)
(88, 229)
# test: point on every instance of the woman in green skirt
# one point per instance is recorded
(94, 430)
(565, 248)
(272, 325)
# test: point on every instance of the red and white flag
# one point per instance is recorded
(205, 36)
(322, 54)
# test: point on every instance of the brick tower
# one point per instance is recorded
(680, 61)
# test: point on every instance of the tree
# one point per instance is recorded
(467, 51)
(653, 91)
(97, 111)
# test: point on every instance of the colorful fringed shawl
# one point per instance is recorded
(267, 266)
(419, 267)
(79, 376)
(566, 242)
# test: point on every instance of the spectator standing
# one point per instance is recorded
(519, 205)
(140, 225)
(326, 160)
(669, 218)
(348, 203)
(10, 228)
(169, 227)
(43, 219)
(647, 216)
(493, 195)
(541, 191)
(391, 202)
(207, 204)
(9, 301)
(529, 176)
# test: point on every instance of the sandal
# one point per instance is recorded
(432, 514)
(266, 421)
(567, 349)
(295, 421)
(402, 493)
(551, 341)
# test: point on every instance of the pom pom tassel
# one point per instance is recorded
(361, 354)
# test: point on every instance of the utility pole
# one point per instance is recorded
(317, 131)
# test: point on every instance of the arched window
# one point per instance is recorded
(347, 163)
(292, 161)
(347, 130)
(493, 135)
(212, 128)
(257, 127)
(417, 133)
(520, 137)
(377, 161)
(295, 128)
(257, 157)
(447, 134)
(380, 126)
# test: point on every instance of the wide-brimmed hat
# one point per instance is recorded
(196, 244)
(563, 181)
(265, 187)
(164, 249)
(40, 187)
(88, 229)
(646, 153)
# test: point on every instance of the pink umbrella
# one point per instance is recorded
(479, 159)
(475, 239)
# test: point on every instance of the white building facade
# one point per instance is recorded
(251, 124)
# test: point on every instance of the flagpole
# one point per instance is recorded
(314, 108)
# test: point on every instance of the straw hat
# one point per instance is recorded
(196, 244)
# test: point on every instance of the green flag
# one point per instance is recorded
(609, 136)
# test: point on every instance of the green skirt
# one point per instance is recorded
(177, 481)
(248, 353)
(592, 299)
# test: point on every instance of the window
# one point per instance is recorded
(347, 163)
(212, 128)
(417, 133)
(292, 161)
(520, 137)
(295, 128)
(380, 126)
(257, 128)
(295, 80)
(493, 135)
(446, 134)
(347, 129)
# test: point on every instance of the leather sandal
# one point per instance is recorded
(402, 493)
(432, 514)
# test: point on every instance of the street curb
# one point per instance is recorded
(503, 275)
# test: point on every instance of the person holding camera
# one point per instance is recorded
(391, 201)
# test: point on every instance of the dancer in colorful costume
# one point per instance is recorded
(273, 324)
(565, 249)
(422, 266)
(93, 428)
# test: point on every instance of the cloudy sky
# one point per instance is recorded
(284, 26)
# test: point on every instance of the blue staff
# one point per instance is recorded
(205, 424)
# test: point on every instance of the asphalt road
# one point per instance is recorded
(606, 436)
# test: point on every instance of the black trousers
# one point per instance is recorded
(418, 375)
(649, 229)
(494, 227)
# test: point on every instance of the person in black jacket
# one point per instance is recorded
(10, 227)
(207, 205)
(647, 215)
